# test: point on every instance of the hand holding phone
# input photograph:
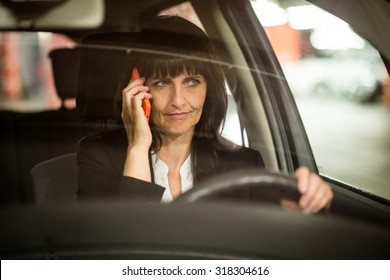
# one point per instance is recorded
(145, 102)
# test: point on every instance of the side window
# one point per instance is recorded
(232, 129)
(338, 80)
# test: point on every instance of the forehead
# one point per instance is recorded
(182, 75)
(172, 69)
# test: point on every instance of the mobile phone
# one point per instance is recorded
(145, 102)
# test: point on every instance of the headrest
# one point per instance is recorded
(65, 65)
(102, 73)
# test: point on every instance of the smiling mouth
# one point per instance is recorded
(178, 116)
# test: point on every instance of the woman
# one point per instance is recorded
(181, 145)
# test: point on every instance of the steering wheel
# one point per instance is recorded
(259, 184)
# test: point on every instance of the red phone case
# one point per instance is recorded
(145, 102)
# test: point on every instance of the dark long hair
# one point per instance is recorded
(170, 46)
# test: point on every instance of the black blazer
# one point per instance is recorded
(101, 159)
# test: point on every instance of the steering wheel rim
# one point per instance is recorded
(282, 186)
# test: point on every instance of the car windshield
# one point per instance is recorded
(329, 68)
(263, 89)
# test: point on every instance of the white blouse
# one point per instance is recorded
(160, 170)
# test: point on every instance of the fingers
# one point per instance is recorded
(133, 94)
(133, 117)
(134, 88)
(316, 194)
(132, 83)
(289, 204)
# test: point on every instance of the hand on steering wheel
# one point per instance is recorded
(263, 186)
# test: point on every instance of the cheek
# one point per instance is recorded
(201, 102)
(198, 106)
(199, 99)
(158, 103)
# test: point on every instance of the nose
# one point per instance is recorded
(177, 95)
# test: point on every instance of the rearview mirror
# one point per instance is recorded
(50, 14)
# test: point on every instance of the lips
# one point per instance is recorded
(178, 116)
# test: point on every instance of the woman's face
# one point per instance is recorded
(177, 103)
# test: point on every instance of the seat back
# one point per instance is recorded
(91, 72)
(32, 137)
(65, 65)
(104, 69)
(55, 179)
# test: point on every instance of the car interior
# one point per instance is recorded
(40, 148)
(102, 54)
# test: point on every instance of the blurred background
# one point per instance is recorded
(341, 88)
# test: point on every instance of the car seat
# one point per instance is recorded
(96, 70)
(104, 64)
(33, 137)
(55, 179)
(65, 62)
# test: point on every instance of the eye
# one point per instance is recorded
(161, 83)
(192, 82)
